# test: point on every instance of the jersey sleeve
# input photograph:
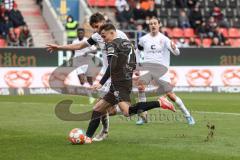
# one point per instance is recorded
(112, 62)
(168, 42)
(111, 50)
(122, 35)
(75, 41)
(105, 76)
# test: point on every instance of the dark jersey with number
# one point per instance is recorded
(121, 61)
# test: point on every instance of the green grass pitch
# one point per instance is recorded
(30, 130)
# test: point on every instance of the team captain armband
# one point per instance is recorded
(91, 41)
(140, 47)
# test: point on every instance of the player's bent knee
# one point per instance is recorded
(126, 114)
(172, 96)
(112, 111)
(98, 107)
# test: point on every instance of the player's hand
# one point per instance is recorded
(52, 47)
(173, 45)
(96, 86)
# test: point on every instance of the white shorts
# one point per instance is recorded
(82, 69)
(85, 65)
(153, 76)
(165, 78)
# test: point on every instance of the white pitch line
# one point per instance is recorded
(86, 105)
(39, 103)
(219, 113)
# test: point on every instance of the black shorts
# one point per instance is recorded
(119, 93)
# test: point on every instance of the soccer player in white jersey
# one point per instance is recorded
(83, 72)
(96, 21)
(155, 48)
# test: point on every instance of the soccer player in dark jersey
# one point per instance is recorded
(121, 63)
(96, 21)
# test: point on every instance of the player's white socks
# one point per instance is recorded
(182, 106)
(105, 123)
(142, 97)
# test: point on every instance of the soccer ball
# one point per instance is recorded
(77, 136)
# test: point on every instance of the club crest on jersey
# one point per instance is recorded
(110, 50)
(127, 44)
(116, 93)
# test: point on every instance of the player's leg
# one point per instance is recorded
(105, 126)
(142, 81)
(180, 104)
(123, 98)
(80, 69)
(104, 119)
(91, 72)
(142, 116)
(103, 134)
(81, 78)
(129, 110)
(90, 80)
(98, 111)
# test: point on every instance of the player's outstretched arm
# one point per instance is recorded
(172, 47)
(54, 47)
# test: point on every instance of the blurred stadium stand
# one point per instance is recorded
(33, 17)
(29, 28)
(225, 14)
(218, 18)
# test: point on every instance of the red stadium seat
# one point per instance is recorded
(206, 42)
(186, 40)
(224, 31)
(231, 41)
(177, 32)
(237, 43)
(3, 43)
(169, 32)
(234, 33)
(189, 32)
(198, 41)
(234, 42)
(101, 3)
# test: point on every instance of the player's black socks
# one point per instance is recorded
(94, 123)
(143, 106)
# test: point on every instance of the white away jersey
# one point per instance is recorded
(82, 51)
(156, 49)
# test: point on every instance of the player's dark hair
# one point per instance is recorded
(107, 27)
(80, 29)
(96, 17)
